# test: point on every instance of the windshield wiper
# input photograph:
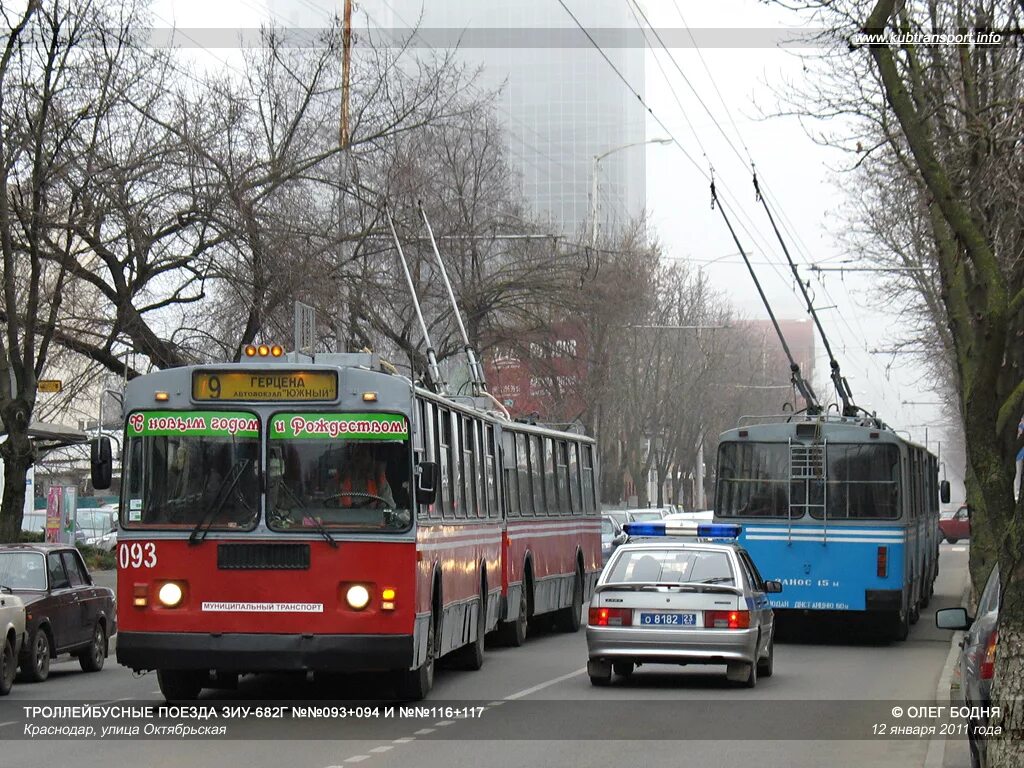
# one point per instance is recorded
(223, 494)
(299, 504)
(716, 580)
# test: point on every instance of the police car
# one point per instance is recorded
(681, 592)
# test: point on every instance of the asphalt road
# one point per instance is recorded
(539, 709)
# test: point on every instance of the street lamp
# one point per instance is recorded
(593, 188)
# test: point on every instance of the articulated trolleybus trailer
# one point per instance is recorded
(246, 545)
(842, 510)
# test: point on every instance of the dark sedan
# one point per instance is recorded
(65, 611)
(977, 660)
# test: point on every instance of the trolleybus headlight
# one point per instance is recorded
(170, 594)
(357, 596)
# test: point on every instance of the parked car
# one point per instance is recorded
(98, 527)
(704, 515)
(977, 660)
(620, 516)
(611, 536)
(957, 526)
(12, 630)
(643, 515)
(65, 611)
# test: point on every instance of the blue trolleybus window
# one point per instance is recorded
(753, 480)
(863, 482)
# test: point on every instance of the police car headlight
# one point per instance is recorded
(357, 596)
(170, 595)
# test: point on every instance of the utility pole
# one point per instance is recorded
(346, 59)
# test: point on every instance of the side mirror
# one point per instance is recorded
(953, 618)
(102, 463)
(772, 587)
(427, 480)
(944, 491)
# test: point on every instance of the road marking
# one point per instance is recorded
(404, 740)
(10, 722)
(382, 748)
(424, 731)
(495, 703)
(357, 758)
(445, 722)
(542, 686)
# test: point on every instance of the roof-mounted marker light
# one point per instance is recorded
(161, 397)
(263, 350)
(276, 351)
(250, 350)
(369, 397)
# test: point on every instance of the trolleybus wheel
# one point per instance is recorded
(415, 684)
(91, 659)
(915, 613)
(471, 657)
(569, 618)
(899, 625)
(514, 632)
(180, 684)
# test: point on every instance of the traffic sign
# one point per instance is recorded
(49, 385)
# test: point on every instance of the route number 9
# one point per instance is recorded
(213, 382)
(137, 555)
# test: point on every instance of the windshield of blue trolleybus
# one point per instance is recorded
(857, 481)
(185, 468)
(346, 471)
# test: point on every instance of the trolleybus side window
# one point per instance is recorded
(549, 476)
(479, 483)
(492, 472)
(523, 470)
(537, 476)
(510, 460)
(349, 471)
(561, 459)
(863, 482)
(466, 503)
(574, 479)
(191, 467)
(446, 456)
(588, 479)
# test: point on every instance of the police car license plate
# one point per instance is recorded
(669, 619)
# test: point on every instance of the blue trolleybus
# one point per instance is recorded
(842, 510)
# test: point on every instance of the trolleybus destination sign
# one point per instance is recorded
(265, 385)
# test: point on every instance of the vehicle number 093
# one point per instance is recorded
(137, 555)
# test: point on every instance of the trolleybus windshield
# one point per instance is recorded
(189, 467)
(345, 471)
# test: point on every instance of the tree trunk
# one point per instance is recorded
(1008, 749)
(16, 452)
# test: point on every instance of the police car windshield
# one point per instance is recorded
(338, 471)
(674, 566)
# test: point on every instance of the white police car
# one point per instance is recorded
(681, 592)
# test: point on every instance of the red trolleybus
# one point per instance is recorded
(327, 515)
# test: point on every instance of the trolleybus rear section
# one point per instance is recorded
(841, 510)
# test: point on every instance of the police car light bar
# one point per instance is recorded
(683, 528)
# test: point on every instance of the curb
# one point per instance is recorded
(944, 691)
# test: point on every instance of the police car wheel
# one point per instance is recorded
(623, 668)
(765, 667)
(600, 672)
